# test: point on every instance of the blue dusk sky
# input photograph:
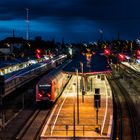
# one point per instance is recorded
(75, 20)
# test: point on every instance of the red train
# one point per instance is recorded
(51, 85)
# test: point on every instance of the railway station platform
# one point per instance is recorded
(134, 66)
(75, 117)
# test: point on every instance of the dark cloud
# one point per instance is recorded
(74, 17)
(93, 9)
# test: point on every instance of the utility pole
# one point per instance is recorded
(27, 23)
(97, 110)
(77, 98)
(83, 92)
(74, 121)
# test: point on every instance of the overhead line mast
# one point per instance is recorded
(27, 23)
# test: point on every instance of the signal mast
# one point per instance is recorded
(27, 23)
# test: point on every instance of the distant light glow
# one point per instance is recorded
(127, 57)
(138, 60)
(46, 58)
(33, 62)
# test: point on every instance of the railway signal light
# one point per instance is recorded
(107, 52)
(38, 53)
(138, 54)
(97, 98)
(121, 57)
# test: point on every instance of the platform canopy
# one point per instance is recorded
(88, 64)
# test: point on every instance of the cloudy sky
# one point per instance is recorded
(75, 20)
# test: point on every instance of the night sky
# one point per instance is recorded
(75, 20)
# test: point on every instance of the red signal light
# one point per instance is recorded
(38, 50)
(38, 53)
(107, 52)
(137, 54)
(38, 56)
(121, 57)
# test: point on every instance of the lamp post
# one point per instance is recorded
(77, 97)
(83, 92)
(74, 121)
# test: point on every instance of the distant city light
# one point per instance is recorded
(33, 61)
(138, 60)
(47, 58)
(127, 57)
(138, 41)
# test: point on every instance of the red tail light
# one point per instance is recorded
(49, 95)
(40, 95)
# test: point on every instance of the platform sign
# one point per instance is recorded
(97, 98)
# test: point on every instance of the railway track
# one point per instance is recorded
(14, 103)
(129, 72)
(27, 124)
(32, 128)
(127, 120)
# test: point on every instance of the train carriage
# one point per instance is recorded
(14, 80)
(51, 85)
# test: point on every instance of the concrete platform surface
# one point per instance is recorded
(76, 118)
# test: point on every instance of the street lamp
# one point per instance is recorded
(83, 92)
(77, 97)
(74, 121)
